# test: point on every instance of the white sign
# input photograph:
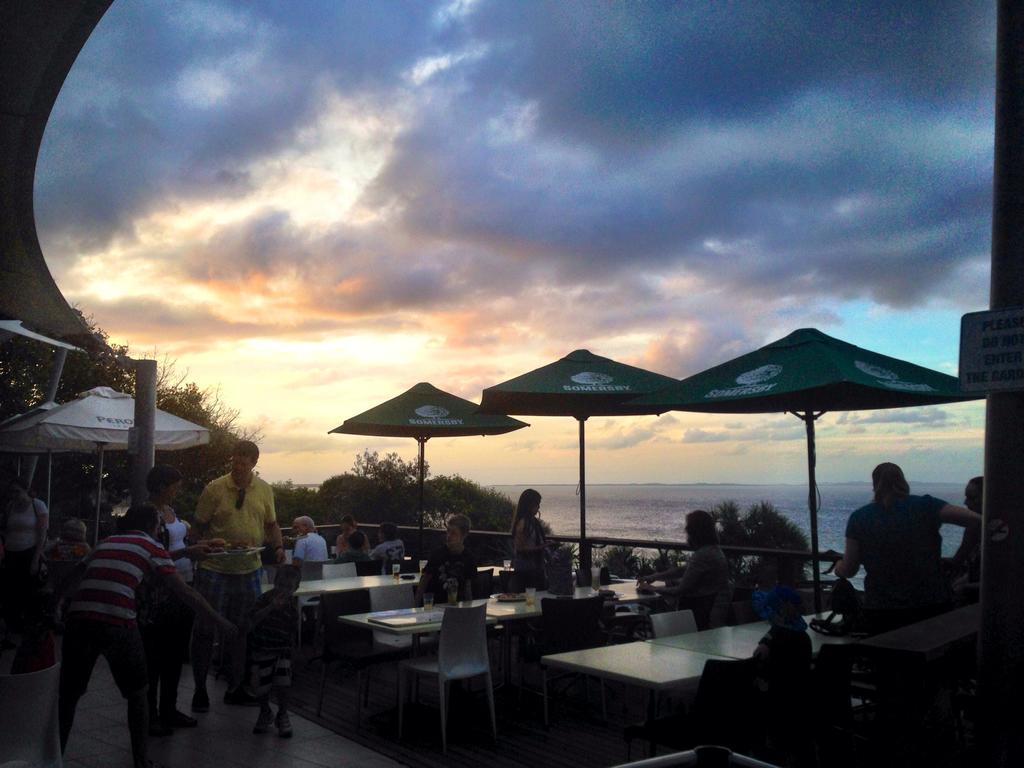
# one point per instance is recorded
(992, 351)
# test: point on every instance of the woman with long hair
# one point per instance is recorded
(528, 540)
(896, 538)
(707, 570)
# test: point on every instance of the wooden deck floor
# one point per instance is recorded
(577, 735)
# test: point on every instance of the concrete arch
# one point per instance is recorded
(39, 42)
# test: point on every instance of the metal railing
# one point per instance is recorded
(496, 542)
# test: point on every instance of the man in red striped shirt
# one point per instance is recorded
(101, 621)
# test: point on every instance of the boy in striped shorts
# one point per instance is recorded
(101, 620)
(272, 625)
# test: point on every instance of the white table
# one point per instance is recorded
(740, 641)
(317, 587)
(415, 628)
(644, 664)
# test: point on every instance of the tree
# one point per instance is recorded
(24, 370)
(762, 526)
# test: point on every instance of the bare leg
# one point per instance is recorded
(202, 651)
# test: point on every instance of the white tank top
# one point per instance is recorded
(176, 533)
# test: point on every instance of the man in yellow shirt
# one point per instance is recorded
(238, 508)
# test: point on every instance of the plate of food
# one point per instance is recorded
(511, 597)
(221, 548)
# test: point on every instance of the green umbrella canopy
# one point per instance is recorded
(808, 371)
(424, 412)
(581, 384)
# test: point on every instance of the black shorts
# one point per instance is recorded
(85, 641)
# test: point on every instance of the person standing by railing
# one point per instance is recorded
(528, 541)
(896, 538)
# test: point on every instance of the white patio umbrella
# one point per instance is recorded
(98, 420)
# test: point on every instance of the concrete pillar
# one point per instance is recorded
(1001, 641)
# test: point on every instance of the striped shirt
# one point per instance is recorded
(117, 567)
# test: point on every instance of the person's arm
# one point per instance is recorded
(272, 532)
(971, 522)
(195, 601)
(847, 567)
(42, 526)
(674, 572)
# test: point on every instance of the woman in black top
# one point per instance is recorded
(528, 540)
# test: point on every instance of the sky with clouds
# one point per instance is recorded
(313, 206)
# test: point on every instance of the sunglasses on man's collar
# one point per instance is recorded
(240, 499)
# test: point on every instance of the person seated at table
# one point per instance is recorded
(705, 573)
(784, 655)
(390, 547)
(309, 545)
(896, 538)
(528, 541)
(347, 526)
(450, 568)
(355, 549)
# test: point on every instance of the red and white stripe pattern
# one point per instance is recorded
(118, 566)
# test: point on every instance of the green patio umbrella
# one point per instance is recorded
(424, 412)
(580, 385)
(808, 373)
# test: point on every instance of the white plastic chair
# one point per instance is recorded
(339, 570)
(389, 599)
(461, 653)
(673, 623)
(28, 718)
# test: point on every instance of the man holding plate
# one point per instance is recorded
(235, 513)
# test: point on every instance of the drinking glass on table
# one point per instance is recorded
(423, 564)
(395, 569)
(508, 565)
(428, 600)
(531, 596)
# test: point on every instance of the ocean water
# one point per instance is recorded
(658, 511)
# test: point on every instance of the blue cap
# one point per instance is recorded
(768, 605)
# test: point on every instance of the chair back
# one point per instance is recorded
(673, 623)
(339, 570)
(571, 625)
(831, 685)
(462, 649)
(369, 567)
(28, 718)
(701, 606)
(389, 598)
(727, 709)
(340, 638)
(483, 584)
(312, 570)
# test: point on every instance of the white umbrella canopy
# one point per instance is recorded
(98, 420)
(101, 415)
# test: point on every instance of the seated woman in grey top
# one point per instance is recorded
(706, 572)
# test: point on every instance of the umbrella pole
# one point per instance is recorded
(99, 495)
(808, 418)
(49, 480)
(422, 442)
(584, 547)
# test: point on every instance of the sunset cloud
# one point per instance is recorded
(342, 200)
